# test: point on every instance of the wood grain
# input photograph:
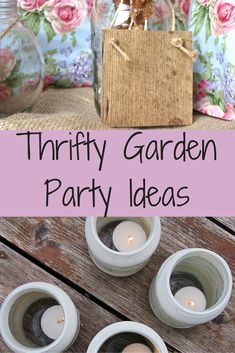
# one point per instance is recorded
(15, 270)
(60, 243)
(228, 222)
(154, 88)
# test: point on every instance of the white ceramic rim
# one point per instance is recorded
(178, 257)
(126, 326)
(155, 222)
(42, 287)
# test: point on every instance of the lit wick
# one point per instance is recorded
(191, 303)
(129, 236)
(61, 321)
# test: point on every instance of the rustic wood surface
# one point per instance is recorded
(227, 222)
(59, 244)
(154, 88)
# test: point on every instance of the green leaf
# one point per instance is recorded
(208, 27)
(222, 105)
(63, 83)
(223, 45)
(216, 40)
(202, 59)
(217, 98)
(212, 98)
(52, 52)
(33, 21)
(48, 30)
(180, 25)
(74, 39)
(15, 71)
(16, 81)
(64, 38)
(197, 46)
(200, 20)
(197, 77)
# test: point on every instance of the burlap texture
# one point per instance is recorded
(73, 109)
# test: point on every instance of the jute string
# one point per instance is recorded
(176, 42)
(9, 28)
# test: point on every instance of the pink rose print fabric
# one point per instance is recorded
(213, 25)
(66, 16)
(5, 91)
(63, 30)
(7, 63)
(222, 15)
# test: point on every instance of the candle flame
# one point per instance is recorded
(191, 303)
(130, 239)
(61, 321)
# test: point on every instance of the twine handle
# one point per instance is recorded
(114, 43)
(178, 43)
(9, 28)
(173, 22)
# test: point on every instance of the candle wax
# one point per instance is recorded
(191, 298)
(129, 236)
(137, 348)
(52, 321)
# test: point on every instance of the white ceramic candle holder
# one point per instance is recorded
(12, 316)
(121, 263)
(128, 327)
(214, 276)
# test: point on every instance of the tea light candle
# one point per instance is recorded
(111, 242)
(129, 236)
(191, 298)
(137, 348)
(148, 340)
(25, 325)
(212, 275)
(52, 322)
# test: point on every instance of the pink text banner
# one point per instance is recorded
(117, 173)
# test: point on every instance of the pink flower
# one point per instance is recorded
(90, 5)
(204, 2)
(31, 5)
(5, 91)
(184, 6)
(203, 84)
(7, 63)
(47, 81)
(222, 14)
(66, 15)
(161, 11)
(230, 113)
(205, 107)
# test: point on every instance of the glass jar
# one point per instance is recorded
(21, 63)
(129, 15)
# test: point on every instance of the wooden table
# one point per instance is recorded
(54, 250)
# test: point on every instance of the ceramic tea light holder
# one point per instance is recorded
(127, 337)
(122, 246)
(193, 286)
(39, 317)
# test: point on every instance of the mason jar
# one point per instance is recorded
(21, 63)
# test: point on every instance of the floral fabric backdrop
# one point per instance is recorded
(63, 30)
(213, 24)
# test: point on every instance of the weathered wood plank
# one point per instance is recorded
(228, 222)
(15, 270)
(60, 244)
